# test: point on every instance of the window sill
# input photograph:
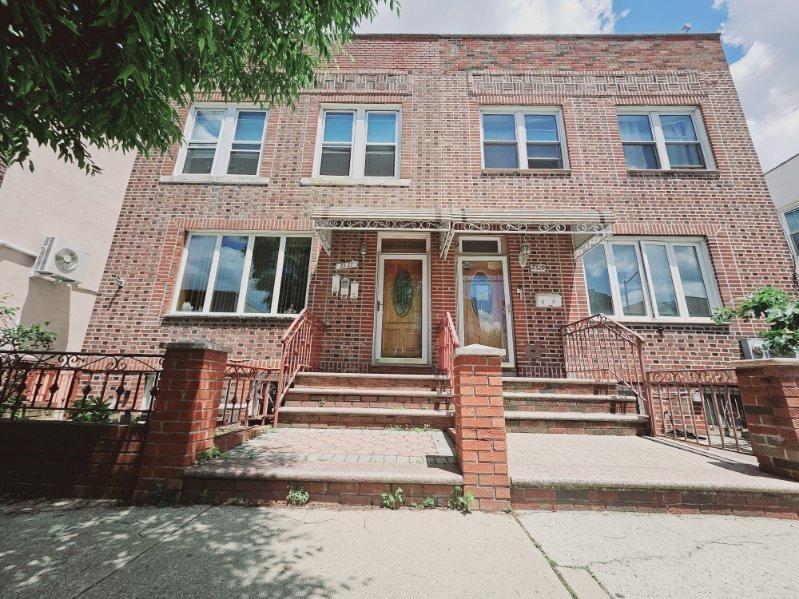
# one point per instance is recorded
(676, 172)
(230, 316)
(526, 172)
(670, 321)
(215, 179)
(350, 182)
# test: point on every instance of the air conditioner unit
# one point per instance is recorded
(61, 261)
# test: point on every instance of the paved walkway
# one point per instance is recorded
(90, 549)
(342, 454)
(595, 460)
(198, 552)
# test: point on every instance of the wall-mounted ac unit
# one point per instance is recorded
(62, 261)
(752, 349)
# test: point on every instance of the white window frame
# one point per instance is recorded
(358, 144)
(654, 112)
(782, 213)
(705, 266)
(209, 290)
(224, 143)
(521, 132)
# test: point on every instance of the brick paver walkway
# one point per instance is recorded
(293, 445)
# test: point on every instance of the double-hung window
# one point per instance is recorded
(792, 225)
(666, 139)
(358, 142)
(247, 274)
(523, 139)
(222, 141)
(642, 279)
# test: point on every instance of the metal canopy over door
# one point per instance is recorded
(402, 311)
(484, 312)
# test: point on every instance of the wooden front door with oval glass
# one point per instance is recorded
(402, 317)
(484, 314)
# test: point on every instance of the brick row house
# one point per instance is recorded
(516, 183)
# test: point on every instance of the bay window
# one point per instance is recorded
(650, 278)
(664, 139)
(245, 274)
(358, 142)
(222, 140)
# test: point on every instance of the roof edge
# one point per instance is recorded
(537, 36)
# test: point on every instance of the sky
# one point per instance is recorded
(761, 40)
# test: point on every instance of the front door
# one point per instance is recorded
(402, 316)
(484, 313)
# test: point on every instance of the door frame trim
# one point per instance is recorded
(378, 319)
(510, 359)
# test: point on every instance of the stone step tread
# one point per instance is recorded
(557, 381)
(575, 416)
(375, 375)
(366, 411)
(588, 397)
(369, 391)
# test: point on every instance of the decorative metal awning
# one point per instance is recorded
(586, 227)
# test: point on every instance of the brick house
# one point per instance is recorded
(519, 183)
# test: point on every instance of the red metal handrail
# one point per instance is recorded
(246, 394)
(301, 351)
(701, 406)
(446, 342)
(600, 347)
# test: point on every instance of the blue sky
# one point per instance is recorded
(760, 39)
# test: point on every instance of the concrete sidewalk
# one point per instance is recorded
(68, 551)
(77, 549)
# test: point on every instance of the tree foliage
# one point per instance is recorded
(777, 309)
(18, 337)
(113, 72)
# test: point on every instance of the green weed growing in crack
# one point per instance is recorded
(392, 500)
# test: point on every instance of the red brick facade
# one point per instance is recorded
(441, 83)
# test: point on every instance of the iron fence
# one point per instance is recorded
(88, 387)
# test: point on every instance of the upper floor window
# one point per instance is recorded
(358, 142)
(792, 224)
(239, 273)
(529, 138)
(664, 138)
(650, 278)
(222, 141)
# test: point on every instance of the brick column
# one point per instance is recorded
(480, 425)
(770, 394)
(183, 419)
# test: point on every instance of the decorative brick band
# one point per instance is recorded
(770, 395)
(480, 425)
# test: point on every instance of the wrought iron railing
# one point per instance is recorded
(88, 387)
(446, 342)
(301, 351)
(248, 394)
(702, 406)
(601, 348)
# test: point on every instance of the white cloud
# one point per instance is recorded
(496, 16)
(767, 76)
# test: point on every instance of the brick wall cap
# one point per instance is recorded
(787, 362)
(205, 344)
(475, 349)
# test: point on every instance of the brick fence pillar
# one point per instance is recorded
(480, 425)
(770, 395)
(183, 418)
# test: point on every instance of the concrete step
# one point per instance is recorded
(430, 382)
(575, 423)
(558, 385)
(348, 417)
(569, 402)
(368, 397)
